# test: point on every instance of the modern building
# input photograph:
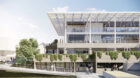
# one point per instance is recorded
(87, 32)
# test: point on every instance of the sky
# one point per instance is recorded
(28, 18)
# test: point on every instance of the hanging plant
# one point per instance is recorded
(99, 54)
(60, 56)
(52, 57)
(126, 54)
(84, 57)
(39, 57)
(73, 57)
(137, 54)
(113, 55)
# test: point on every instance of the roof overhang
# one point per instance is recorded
(58, 18)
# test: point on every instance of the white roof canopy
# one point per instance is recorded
(58, 19)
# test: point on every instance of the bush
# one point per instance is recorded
(39, 57)
(60, 56)
(137, 54)
(113, 55)
(99, 54)
(126, 55)
(73, 57)
(84, 57)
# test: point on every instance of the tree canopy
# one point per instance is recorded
(26, 50)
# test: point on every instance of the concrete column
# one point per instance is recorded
(139, 31)
(74, 66)
(115, 33)
(90, 51)
(57, 51)
(90, 32)
(34, 63)
(65, 51)
(65, 31)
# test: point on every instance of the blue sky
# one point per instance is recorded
(28, 18)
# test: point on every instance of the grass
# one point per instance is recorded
(11, 74)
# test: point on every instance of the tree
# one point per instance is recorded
(26, 50)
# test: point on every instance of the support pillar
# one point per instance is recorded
(115, 33)
(90, 51)
(34, 63)
(65, 51)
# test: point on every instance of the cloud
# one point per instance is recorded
(13, 28)
(61, 9)
(96, 10)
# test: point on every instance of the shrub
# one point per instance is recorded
(60, 56)
(52, 57)
(73, 57)
(137, 54)
(113, 55)
(99, 54)
(39, 57)
(126, 55)
(84, 57)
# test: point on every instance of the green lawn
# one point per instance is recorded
(10, 74)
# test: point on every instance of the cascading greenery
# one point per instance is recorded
(39, 57)
(73, 57)
(126, 54)
(84, 57)
(60, 56)
(99, 54)
(55, 56)
(52, 57)
(113, 55)
(137, 54)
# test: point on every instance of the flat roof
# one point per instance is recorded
(58, 18)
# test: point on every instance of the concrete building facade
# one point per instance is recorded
(87, 32)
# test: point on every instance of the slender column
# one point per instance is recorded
(57, 50)
(139, 31)
(65, 31)
(65, 51)
(90, 32)
(34, 63)
(115, 33)
(90, 51)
